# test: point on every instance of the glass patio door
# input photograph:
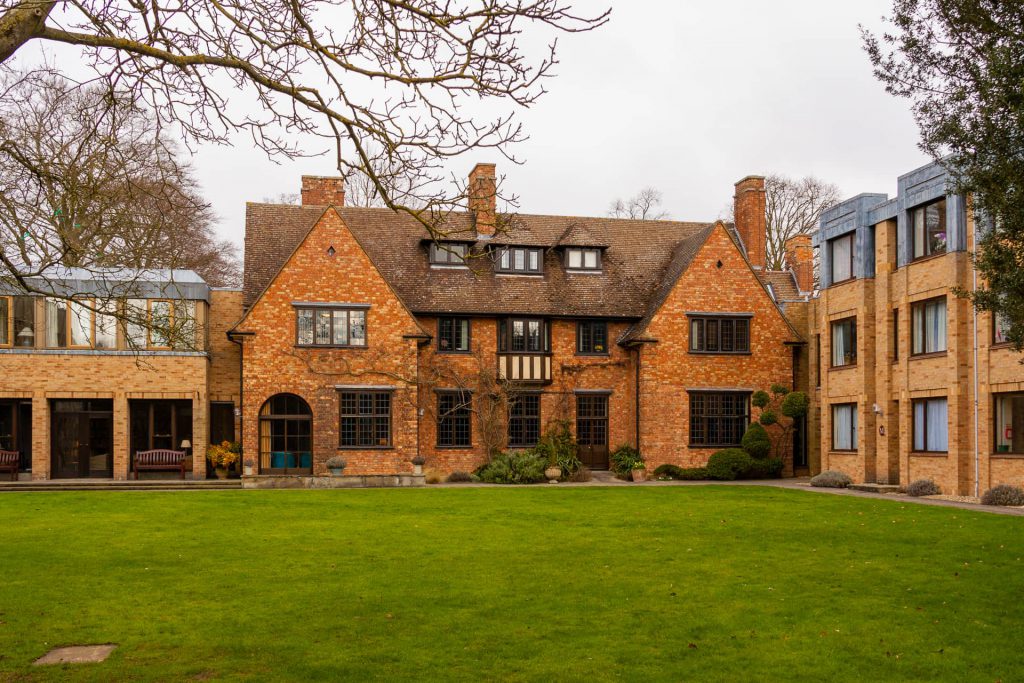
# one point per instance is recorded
(82, 438)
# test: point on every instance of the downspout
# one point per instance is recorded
(241, 384)
(636, 401)
(977, 465)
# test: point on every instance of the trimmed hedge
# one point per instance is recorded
(728, 465)
(769, 468)
(923, 487)
(513, 468)
(756, 441)
(831, 479)
(681, 473)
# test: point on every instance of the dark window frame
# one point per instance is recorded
(359, 417)
(528, 419)
(927, 251)
(700, 424)
(583, 259)
(913, 424)
(712, 333)
(995, 331)
(305, 415)
(455, 421)
(854, 436)
(442, 337)
(582, 337)
(348, 310)
(526, 270)
(914, 331)
(833, 324)
(506, 335)
(996, 396)
(895, 334)
(447, 254)
(831, 258)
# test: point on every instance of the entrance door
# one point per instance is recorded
(592, 430)
(82, 438)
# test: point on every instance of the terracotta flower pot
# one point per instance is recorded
(639, 475)
(221, 472)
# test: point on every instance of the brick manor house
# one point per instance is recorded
(355, 334)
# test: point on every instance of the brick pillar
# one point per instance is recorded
(40, 436)
(323, 191)
(200, 434)
(483, 202)
(751, 220)
(122, 445)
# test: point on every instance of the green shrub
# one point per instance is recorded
(769, 468)
(756, 441)
(760, 398)
(525, 467)
(779, 389)
(458, 477)
(694, 474)
(1004, 494)
(668, 471)
(768, 417)
(923, 487)
(727, 465)
(831, 479)
(795, 404)
(624, 460)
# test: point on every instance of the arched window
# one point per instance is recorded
(286, 436)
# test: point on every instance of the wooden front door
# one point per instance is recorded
(82, 438)
(592, 430)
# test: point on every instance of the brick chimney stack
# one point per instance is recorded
(800, 258)
(323, 191)
(750, 217)
(483, 202)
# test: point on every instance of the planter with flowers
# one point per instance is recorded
(417, 465)
(336, 465)
(639, 471)
(222, 456)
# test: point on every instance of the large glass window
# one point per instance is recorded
(841, 257)
(453, 335)
(583, 259)
(365, 419)
(928, 326)
(718, 418)
(454, 419)
(523, 335)
(56, 323)
(519, 260)
(286, 436)
(844, 342)
(330, 327)
(719, 335)
(928, 229)
(6, 321)
(844, 427)
(1000, 329)
(24, 321)
(156, 324)
(1009, 423)
(931, 430)
(448, 254)
(592, 337)
(524, 421)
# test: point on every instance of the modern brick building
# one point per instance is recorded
(911, 382)
(364, 338)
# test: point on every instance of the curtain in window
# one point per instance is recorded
(938, 430)
(841, 248)
(935, 326)
(840, 345)
(844, 427)
(56, 319)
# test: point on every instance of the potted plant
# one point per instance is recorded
(553, 471)
(639, 471)
(248, 467)
(417, 464)
(336, 465)
(221, 456)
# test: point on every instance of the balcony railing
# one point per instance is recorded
(531, 368)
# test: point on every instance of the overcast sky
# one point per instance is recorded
(686, 97)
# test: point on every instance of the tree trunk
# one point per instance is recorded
(22, 23)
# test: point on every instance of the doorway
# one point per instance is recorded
(160, 424)
(592, 430)
(82, 438)
(16, 430)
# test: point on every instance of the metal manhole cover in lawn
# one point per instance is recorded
(76, 654)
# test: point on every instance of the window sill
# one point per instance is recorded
(454, 352)
(582, 354)
(439, 447)
(843, 282)
(332, 346)
(929, 257)
(836, 368)
(701, 446)
(509, 273)
(720, 353)
(1001, 345)
(1009, 456)
(930, 454)
(837, 451)
(366, 448)
(932, 354)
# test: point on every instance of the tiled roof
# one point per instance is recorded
(641, 255)
(782, 283)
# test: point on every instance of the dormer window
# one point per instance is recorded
(522, 260)
(577, 258)
(448, 254)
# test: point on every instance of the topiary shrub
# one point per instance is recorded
(795, 404)
(760, 398)
(623, 461)
(831, 479)
(769, 468)
(526, 467)
(694, 474)
(1004, 494)
(923, 487)
(459, 477)
(756, 442)
(768, 417)
(668, 471)
(727, 465)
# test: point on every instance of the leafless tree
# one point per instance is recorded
(88, 181)
(411, 78)
(644, 205)
(793, 207)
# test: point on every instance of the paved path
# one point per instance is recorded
(798, 484)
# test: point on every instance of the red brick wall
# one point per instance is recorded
(668, 369)
(273, 364)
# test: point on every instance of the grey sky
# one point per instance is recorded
(687, 97)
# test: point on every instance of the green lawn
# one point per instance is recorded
(543, 583)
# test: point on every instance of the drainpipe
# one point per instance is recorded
(976, 451)
(241, 399)
(636, 400)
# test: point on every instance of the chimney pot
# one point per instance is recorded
(323, 191)
(800, 258)
(751, 221)
(483, 202)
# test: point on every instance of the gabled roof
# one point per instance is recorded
(782, 283)
(637, 260)
(582, 234)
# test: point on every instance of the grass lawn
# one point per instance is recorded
(543, 583)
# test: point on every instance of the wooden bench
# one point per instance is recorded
(159, 459)
(9, 462)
